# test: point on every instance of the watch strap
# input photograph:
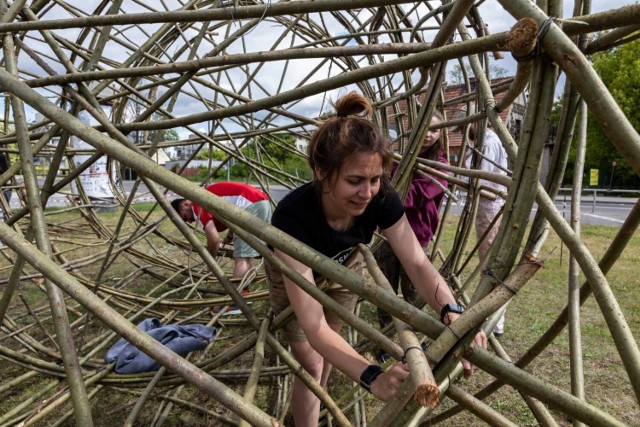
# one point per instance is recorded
(368, 376)
(450, 308)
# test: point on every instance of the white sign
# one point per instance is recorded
(95, 179)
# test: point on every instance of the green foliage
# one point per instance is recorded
(162, 135)
(170, 135)
(204, 173)
(298, 166)
(619, 69)
(277, 146)
(239, 171)
(282, 155)
(497, 72)
(216, 154)
(556, 114)
(275, 151)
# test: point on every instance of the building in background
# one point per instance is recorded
(457, 100)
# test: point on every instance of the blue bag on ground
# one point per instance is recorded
(179, 338)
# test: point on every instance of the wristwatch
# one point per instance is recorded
(450, 308)
(368, 376)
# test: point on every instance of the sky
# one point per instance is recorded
(500, 20)
(273, 77)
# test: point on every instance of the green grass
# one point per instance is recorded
(538, 304)
(529, 315)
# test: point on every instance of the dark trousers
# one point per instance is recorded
(393, 271)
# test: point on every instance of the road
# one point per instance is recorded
(604, 212)
(142, 195)
(609, 211)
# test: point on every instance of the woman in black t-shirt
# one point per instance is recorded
(347, 201)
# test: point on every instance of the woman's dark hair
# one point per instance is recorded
(348, 132)
(433, 152)
(176, 204)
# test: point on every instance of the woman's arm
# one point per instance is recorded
(327, 342)
(428, 282)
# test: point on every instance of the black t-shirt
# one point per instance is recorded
(300, 215)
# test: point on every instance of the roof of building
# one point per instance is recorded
(456, 98)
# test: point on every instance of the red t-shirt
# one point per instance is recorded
(241, 195)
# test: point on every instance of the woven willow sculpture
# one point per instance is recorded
(117, 75)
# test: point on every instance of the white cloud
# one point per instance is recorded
(272, 77)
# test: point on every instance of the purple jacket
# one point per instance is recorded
(423, 202)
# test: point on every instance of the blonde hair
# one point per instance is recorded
(433, 152)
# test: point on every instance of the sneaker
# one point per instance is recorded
(498, 331)
(232, 309)
(228, 310)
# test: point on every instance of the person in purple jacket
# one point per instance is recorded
(422, 207)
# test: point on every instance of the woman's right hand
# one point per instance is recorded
(386, 385)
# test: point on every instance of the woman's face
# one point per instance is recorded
(357, 182)
(433, 135)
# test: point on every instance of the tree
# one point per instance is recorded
(288, 160)
(619, 69)
(164, 135)
(456, 75)
(170, 135)
(216, 154)
(276, 149)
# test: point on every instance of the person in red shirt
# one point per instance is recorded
(242, 195)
